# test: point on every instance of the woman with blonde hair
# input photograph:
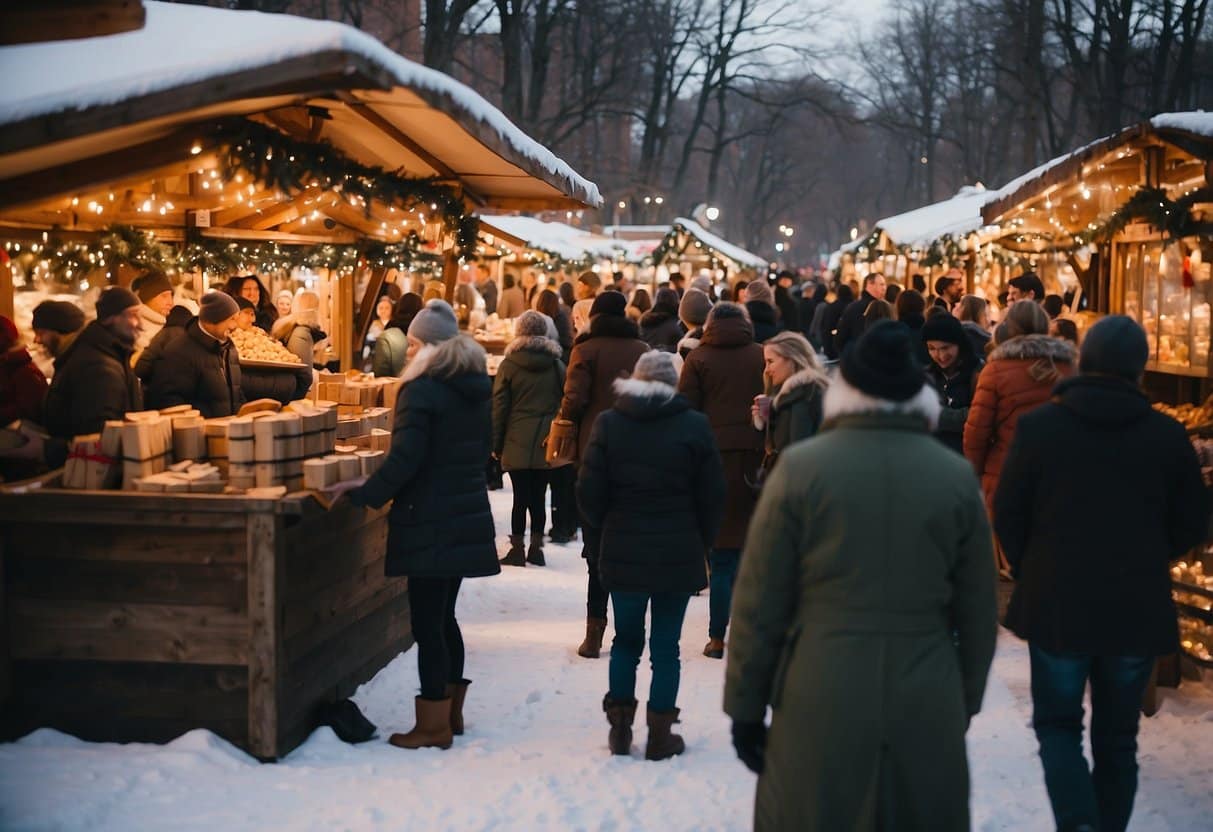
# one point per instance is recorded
(789, 408)
(300, 331)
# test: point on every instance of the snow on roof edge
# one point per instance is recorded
(720, 245)
(63, 76)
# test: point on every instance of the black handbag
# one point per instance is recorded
(494, 475)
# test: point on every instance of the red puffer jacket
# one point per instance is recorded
(1018, 377)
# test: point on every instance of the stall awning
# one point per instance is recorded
(706, 239)
(920, 228)
(1086, 182)
(77, 114)
(560, 240)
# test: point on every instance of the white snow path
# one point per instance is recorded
(535, 756)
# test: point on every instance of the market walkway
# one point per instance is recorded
(535, 754)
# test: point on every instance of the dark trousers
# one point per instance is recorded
(595, 594)
(530, 490)
(669, 609)
(1102, 796)
(439, 642)
(723, 563)
(564, 499)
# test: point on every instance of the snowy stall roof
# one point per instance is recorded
(1190, 132)
(66, 103)
(566, 242)
(918, 229)
(717, 244)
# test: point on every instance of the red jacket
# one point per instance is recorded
(1018, 377)
(22, 387)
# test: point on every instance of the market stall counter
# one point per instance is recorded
(139, 616)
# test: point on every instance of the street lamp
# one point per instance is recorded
(854, 232)
(712, 213)
(779, 247)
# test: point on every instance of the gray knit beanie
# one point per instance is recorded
(531, 324)
(435, 323)
(656, 366)
(694, 308)
(216, 307)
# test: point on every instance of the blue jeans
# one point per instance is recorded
(1102, 796)
(669, 608)
(724, 564)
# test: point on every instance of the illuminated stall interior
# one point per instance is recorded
(690, 248)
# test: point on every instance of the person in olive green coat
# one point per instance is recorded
(391, 347)
(526, 396)
(864, 612)
(790, 408)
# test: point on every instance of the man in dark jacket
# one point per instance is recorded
(653, 482)
(1099, 493)
(952, 370)
(93, 380)
(174, 327)
(1025, 287)
(850, 325)
(202, 368)
(606, 352)
(56, 324)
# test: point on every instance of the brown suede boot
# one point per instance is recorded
(517, 554)
(714, 649)
(457, 692)
(621, 715)
(595, 628)
(662, 743)
(433, 728)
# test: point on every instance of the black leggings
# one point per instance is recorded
(439, 642)
(564, 499)
(530, 490)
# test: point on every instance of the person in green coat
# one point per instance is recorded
(391, 347)
(526, 396)
(864, 612)
(790, 408)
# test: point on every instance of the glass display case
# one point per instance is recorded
(1166, 287)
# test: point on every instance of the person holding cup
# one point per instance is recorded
(789, 409)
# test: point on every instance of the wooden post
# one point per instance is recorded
(6, 289)
(343, 317)
(265, 659)
(450, 271)
(366, 309)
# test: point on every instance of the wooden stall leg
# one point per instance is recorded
(265, 663)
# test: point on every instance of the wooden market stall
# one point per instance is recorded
(555, 248)
(691, 247)
(136, 616)
(929, 241)
(1133, 213)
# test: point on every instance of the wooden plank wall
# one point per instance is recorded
(343, 620)
(126, 632)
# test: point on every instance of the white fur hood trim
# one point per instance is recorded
(799, 379)
(842, 399)
(534, 343)
(639, 389)
(460, 354)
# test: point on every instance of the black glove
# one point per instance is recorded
(750, 741)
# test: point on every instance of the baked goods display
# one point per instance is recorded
(1192, 591)
(253, 344)
(1189, 415)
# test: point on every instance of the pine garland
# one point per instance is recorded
(278, 161)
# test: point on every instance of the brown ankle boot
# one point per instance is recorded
(517, 554)
(457, 692)
(592, 646)
(662, 743)
(621, 715)
(714, 649)
(433, 728)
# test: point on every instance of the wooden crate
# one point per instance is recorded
(136, 617)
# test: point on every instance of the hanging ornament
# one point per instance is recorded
(1188, 282)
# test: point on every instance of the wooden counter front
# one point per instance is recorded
(137, 617)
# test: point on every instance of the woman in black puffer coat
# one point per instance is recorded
(652, 481)
(660, 327)
(440, 529)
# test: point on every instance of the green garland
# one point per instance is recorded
(122, 245)
(1172, 217)
(278, 161)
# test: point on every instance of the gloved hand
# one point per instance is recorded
(750, 741)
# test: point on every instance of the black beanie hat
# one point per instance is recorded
(114, 301)
(610, 303)
(1115, 346)
(244, 303)
(944, 328)
(882, 363)
(58, 316)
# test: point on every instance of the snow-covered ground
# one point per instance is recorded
(535, 756)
